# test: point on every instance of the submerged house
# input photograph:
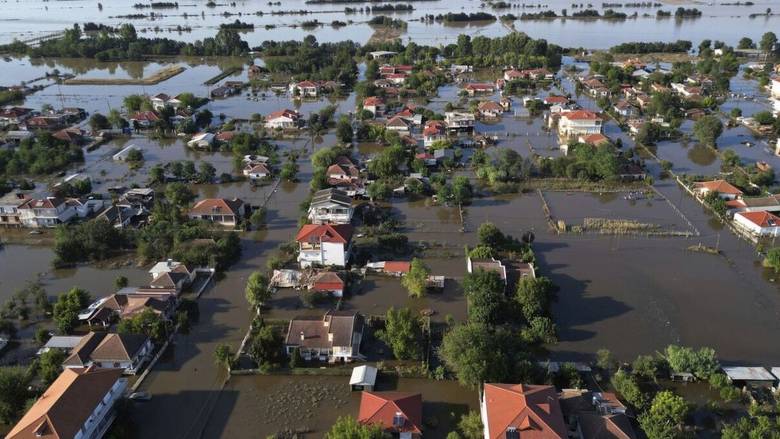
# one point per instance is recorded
(331, 206)
(520, 411)
(227, 213)
(78, 404)
(324, 244)
(397, 413)
(334, 337)
(128, 352)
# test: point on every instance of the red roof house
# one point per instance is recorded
(522, 411)
(395, 412)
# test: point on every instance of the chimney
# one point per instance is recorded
(169, 262)
(303, 336)
(398, 420)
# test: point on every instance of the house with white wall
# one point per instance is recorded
(324, 244)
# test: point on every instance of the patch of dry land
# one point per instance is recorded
(384, 34)
(159, 76)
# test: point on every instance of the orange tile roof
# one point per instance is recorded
(381, 408)
(218, 205)
(64, 407)
(372, 101)
(719, 186)
(325, 233)
(534, 411)
(581, 115)
(761, 218)
(397, 266)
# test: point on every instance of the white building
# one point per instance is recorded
(256, 171)
(46, 212)
(79, 404)
(201, 140)
(758, 223)
(579, 122)
(284, 119)
(331, 206)
(324, 244)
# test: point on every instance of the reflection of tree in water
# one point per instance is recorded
(702, 155)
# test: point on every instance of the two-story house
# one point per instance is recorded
(127, 352)
(46, 212)
(375, 105)
(578, 123)
(459, 121)
(10, 215)
(324, 244)
(283, 119)
(334, 337)
(305, 89)
(79, 404)
(521, 410)
(331, 206)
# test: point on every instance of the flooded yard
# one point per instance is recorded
(258, 406)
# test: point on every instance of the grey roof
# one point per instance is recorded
(63, 342)
(341, 326)
(331, 195)
(363, 376)
(770, 201)
(741, 373)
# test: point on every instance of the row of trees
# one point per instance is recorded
(123, 43)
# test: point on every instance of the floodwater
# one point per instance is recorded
(21, 264)
(30, 19)
(259, 406)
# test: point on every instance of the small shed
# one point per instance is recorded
(62, 343)
(363, 378)
(685, 377)
(749, 376)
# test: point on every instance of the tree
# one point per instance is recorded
(701, 363)
(626, 385)
(120, 282)
(50, 365)
(257, 291)
(116, 120)
(482, 252)
(772, 259)
(605, 360)
(223, 356)
(346, 427)
(99, 122)
(147, 322)
(461, 190)
(344, 130)
(296, 360)
(178, 194)
(540, 330)
(645, 366)
(378, 190)
(470, 351)
(67, 307)
(416, 280)
(206, 172)
(403, 332)
(768, 41)
(14, 393)
(665, 416)
(265, 347)
(708, 129)
(485, 293)
(533, 296)
(134, 102)
(470, 425)
(490, 235)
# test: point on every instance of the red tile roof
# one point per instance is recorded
(761, 218)
(216, 205)
(328, 281)
(372, 101)
(581, 115)
(719, 186)
(149, 116)
(397, 412)
(325, 233)
(595, 139)
(397, 266)
(534, 411)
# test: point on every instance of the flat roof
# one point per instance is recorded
(363, 376)
(742, 373)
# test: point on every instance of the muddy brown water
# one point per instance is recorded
(258, 406)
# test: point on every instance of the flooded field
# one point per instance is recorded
(189, 22)
(21, 264)
(575, 207)
(258, 406)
